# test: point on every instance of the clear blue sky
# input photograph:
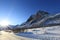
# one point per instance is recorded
(18, 11)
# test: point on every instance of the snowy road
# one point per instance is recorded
(10, 36)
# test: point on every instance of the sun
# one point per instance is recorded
(4, 23)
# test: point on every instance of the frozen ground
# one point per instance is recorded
(10, 36)
(52, 33)
(41, 36)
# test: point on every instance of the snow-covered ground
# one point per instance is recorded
(10, 36)
(52, 33)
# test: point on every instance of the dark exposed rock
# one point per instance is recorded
(38, 15)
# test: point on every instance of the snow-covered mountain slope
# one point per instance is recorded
(41, 19)
(38, 20)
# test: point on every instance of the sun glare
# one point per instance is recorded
(4, 23)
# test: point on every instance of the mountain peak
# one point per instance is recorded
(42, 12)
(38, 15)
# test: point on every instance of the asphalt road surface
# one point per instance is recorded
(10, 36)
